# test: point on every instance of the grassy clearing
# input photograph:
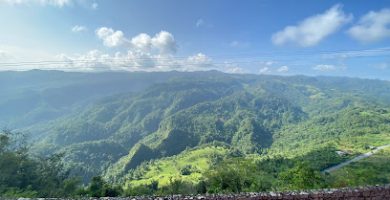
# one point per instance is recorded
(197, 161)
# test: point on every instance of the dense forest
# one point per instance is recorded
(110, 134)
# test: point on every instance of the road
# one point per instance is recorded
(357, 158)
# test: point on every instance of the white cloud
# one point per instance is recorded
(144, 53)
(198, 61)
(77, 29)
(142, 41)
(133, 60)
(164, 42)
(94, 6)
(314, 29)
(283, 69)
(265, 67)
(372, 27)
(324, 67)
(57, 3)
(264, 70)
(110, 37)
(199, 23)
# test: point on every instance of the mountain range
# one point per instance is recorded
(126, 126)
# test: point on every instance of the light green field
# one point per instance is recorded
(162, 170)
(359, 143)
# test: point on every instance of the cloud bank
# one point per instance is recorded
(56, 3)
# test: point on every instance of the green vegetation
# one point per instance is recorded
(369, 171)
(187, 166)
(27, 176)
(199, 132)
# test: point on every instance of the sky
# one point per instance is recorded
(283, 37)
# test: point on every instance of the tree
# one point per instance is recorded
(24, 175)
(97, 187)
(301, 177)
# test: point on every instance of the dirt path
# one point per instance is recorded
(357, 158)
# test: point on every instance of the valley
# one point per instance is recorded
(203, 131)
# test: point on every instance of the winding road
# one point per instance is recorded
(357, 158)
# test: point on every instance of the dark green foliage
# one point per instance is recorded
(27, 176)
(301, 177)
(186, 170)
(100, 188)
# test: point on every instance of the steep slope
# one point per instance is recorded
(240, 120)
(125, 119)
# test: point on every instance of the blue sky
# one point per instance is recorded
(343, 38)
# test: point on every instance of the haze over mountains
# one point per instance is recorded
(113, 124)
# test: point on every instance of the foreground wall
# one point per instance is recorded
(363, 193)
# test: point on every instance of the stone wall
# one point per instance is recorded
(362, 193)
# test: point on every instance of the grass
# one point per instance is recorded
(162, 170)
(359, 143)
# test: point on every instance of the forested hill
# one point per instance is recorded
(35, 96)
(119, 125)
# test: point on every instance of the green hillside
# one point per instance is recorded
(156, 128)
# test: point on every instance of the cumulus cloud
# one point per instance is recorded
(144, 53)
(372, 27)
(142, 41)
(110, 37)
(199, 61)
(77, 29)
(314, 29)
(57, 3)
(283, 69)
(324, 67)
(164, 42)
